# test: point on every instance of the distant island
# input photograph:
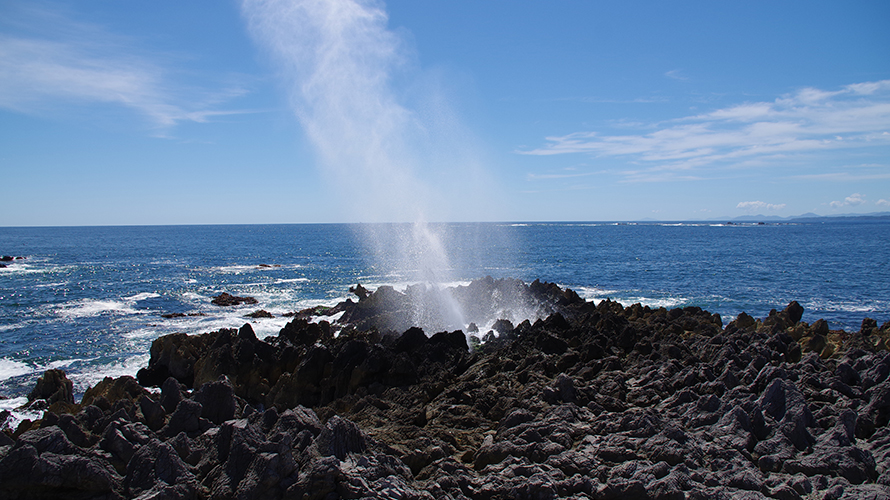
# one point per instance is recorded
(807, 217)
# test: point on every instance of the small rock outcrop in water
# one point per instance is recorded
(592, 401)
(224, 299)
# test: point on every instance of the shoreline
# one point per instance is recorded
(591, 401)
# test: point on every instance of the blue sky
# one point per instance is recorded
(274, 111)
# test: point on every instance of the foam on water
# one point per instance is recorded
(11, 368)
(591, 293)
(64, 363)
(666, 302)
(141, 333)
(92, 375)
(847, 306)
(16, 326)
(250, 268)
(16, 416)
(628, 297)
(141, 296)
(95, 307)
(52, 285)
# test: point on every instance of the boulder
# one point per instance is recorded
(217, 400)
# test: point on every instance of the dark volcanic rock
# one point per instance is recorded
(217, 400)
(339, 438)
(156, 471)
(175, 356)
(53, 386)
(582, 401)
(224, 299)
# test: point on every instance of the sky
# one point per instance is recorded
(308, 111)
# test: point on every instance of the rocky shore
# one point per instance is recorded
(591, 401)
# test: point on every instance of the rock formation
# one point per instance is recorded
(224, 299)
(590, 401)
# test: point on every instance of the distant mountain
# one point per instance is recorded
(808, 217)
(758, 218)
(846, 217)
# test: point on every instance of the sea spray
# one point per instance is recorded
(338, 60)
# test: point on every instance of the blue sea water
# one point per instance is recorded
(90, 300)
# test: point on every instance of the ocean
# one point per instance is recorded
(90, 300)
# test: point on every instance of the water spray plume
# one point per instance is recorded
(337, 59)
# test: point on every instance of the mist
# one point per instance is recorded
(384, 134)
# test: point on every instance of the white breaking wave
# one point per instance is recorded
(667, 302)
(624, 298)
(11, 368)
(83, 379)
(250, 268)
(591, 293)
(141, 296)
(15, 416)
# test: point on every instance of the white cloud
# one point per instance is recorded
(853, 200)
(83, 64)
(807, 121)
(753, 206)
(882, 203)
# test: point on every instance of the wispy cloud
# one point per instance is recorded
(807, 121)
(882, 203)
(753, 206)
(850, 173)
(676, 74)
(566, 175)
(84, 64)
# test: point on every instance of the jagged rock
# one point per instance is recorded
(74, 432)
(296, 420)
(849, 462)
(156, 471)
(339, 438)
(48, 440)
(53, 386)
(186, 418)
(27, 473)
(877, 413)
(122, 439)
(113, 390)
(246, 361)
(261, 313)
(218, 401)
(153, 413)
(175, 355)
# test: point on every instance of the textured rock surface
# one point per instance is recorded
(592, 401)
